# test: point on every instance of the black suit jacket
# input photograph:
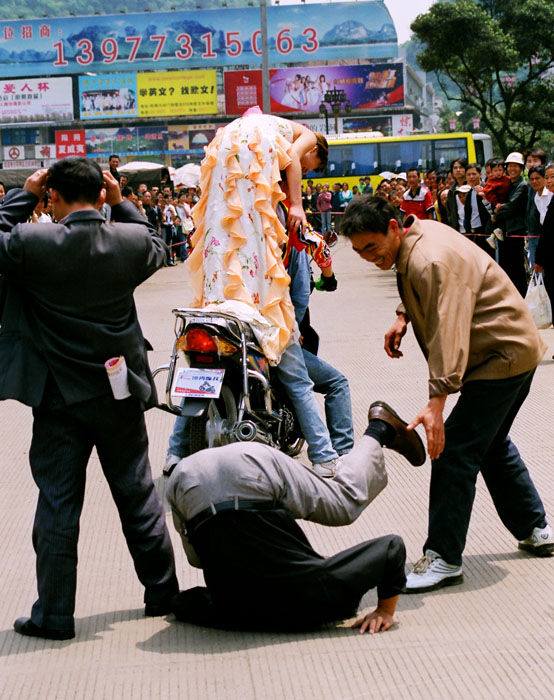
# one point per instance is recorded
(511, 217)
(68, 300)
(484, 213)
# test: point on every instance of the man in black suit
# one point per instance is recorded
(68, 308)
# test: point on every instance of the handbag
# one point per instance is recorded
(188, 225)
(538, 302)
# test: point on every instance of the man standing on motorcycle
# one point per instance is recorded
(235, 508)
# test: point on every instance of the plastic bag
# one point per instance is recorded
(538, 302)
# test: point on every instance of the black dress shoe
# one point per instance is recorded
(158, 609)
(406, 442)
(25, 626)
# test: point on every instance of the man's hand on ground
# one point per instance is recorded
(380, 619)
(393, 337)
(433, 422)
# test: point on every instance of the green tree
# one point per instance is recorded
(499, 55)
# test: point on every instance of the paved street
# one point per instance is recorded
(492, 637)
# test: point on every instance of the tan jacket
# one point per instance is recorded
(468, 318)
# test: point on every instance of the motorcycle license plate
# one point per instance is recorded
(198, 383)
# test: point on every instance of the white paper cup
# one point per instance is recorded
(116, 367)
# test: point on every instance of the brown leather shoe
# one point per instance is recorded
(406, 442)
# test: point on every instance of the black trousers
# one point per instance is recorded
(262, 573)
(63, 439)
(510, 258)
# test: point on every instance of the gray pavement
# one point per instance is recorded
(492, 637)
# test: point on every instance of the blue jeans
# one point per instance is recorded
(338, 407)
(325, 221)
(477, 441)
(293, 375)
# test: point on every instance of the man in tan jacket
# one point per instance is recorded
(478, 337)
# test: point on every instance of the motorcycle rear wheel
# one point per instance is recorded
(211, 429)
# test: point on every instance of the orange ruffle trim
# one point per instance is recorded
(278, 308)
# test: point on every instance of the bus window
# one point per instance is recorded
(400, 155)
(479, 152)
(446, 150)
(349, 160)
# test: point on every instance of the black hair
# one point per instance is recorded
(126, 191)
(536, 153)
(412, 170)
(477, 167)
(493, 162)
(540, 169)
(113, 155)
(461, 161)
(368, 214)
(76, 179)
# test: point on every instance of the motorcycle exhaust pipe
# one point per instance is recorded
(246, 431)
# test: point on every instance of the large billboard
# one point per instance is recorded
(36, 100)
(303, 89)
(196, 39)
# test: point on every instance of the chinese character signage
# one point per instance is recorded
(177, 93)
(70, 143)
(108, 96)
(195, 38)
(36, 100)
(303, 89)
(402, 124)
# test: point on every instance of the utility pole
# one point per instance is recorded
(265, 57)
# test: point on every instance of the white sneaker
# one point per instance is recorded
(540, 542)
(432, 572)
(326, 469)
(499, 233)
(491, 240)
(171, 461)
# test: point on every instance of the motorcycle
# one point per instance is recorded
(219, 378)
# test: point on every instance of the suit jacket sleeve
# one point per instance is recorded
(516, 205)
(16, 207)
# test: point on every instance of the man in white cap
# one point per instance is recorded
(510, 217)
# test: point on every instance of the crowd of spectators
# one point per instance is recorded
(505, 208)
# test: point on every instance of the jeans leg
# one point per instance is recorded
(338, 407)
(294, 377)
(179, 438)
(532, 244)
(476, 438)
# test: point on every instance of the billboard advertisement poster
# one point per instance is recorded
(382, 123)
(370, 86)
(100, 141)
(177, 93)
(243, 89)
(195, 38)
(108, 96)
(177, 139)
(36, 100)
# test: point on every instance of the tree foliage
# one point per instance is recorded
(499, 55)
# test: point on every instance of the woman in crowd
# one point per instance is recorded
(544, 256)
(345, 196)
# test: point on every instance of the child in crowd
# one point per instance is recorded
(496, 192)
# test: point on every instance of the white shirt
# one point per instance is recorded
(542, 201)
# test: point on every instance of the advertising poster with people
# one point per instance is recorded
(108, 96)
(369, 86)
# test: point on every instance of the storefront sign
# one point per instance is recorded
(70, 143)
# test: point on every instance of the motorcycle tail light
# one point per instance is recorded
(224, 347)
(199, 340)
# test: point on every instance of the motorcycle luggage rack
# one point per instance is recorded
(183, 317)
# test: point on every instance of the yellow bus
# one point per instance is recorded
(355, 155)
